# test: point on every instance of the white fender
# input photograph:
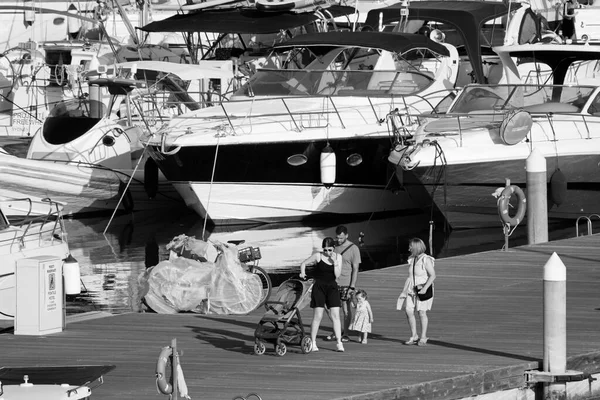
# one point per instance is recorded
(328, 166)
(29, 14)
(73, 23)
(72, 275)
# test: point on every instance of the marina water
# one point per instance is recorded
(112, 261)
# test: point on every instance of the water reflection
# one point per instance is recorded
(111, 262)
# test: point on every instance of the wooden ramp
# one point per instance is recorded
(485, 330)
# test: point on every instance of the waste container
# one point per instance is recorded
(39, 302)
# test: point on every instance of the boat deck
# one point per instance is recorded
(485, 330)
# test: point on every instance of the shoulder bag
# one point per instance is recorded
(428, 294)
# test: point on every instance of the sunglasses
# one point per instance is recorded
(327, 248)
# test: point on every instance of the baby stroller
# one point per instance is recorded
(282, 324)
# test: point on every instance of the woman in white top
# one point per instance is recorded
(424, 275)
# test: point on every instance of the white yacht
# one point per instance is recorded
(89, 157)
(47, 47)
(457, 161)
(308, 135)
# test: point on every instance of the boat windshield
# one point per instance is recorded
(483, 99)
(277, 82)
(3, 221)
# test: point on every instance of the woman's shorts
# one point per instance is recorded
(325, 295)
(413, 302)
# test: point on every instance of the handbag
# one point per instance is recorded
(428, 294)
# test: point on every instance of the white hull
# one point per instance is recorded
(248, 203)
(81, 188)
(19, 243)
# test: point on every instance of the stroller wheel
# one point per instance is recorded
(306, 344)
(259, 348)
(280, 349)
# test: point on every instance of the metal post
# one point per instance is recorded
(95, 101)
(555, 325)
(174, 365)
(537, 194)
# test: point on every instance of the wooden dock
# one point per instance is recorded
(485, 331)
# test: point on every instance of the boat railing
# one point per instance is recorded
(44, 227)
(405, 105)
(153, 110)
(501, 114)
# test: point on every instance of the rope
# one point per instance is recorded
(381, 196)
(125, 190)
(212, 177)
(507, 233)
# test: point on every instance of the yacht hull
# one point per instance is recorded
(255, 183)
(463, 192)
(235, 203)
(82, 189)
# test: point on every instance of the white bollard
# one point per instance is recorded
(537, 198)
(555, 324)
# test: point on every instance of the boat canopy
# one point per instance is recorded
(558, 57)
(186, 72)
(468, 17)
(391, 41)
(240, 20)
(487, 100)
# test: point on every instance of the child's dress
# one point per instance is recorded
(362, 318)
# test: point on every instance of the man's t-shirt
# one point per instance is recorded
(351, 256)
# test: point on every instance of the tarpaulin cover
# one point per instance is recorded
(239, 20)
(468, 17)
(184, 284)
(75, 375)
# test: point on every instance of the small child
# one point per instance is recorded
(363, 316)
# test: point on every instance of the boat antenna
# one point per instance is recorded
(404, 15)
(508, 3)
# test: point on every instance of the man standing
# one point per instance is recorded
(568, 22)
(347, 279)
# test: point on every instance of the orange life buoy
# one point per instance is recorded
(503, 203)
(161, 365)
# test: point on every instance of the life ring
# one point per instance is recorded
(161, 365)
(503, 203)
(551, 37)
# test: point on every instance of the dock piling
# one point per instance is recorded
(555, 325)
(537, 194)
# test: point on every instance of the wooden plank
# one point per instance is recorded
(485, 330)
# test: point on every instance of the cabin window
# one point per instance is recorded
(594, 108)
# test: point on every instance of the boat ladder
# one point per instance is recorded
(588, 220)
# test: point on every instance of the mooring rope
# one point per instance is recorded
(212, 178)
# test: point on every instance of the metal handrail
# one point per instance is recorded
(28, 221)
(329, 99)
(588, 224)
(548, 115)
